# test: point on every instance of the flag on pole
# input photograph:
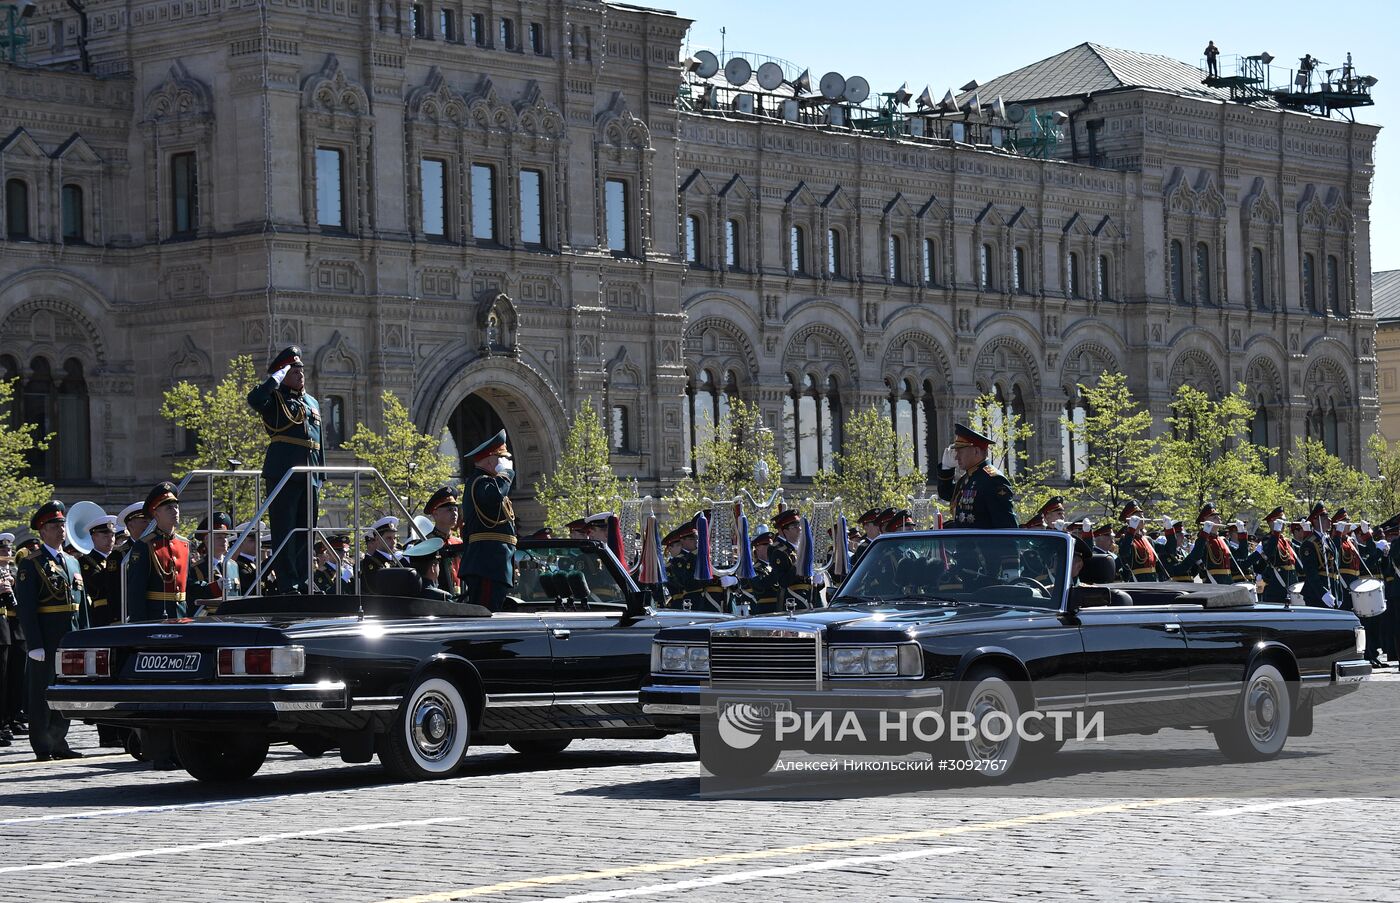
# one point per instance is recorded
(662, 578)
(806, 553)
(745, 569)
(651, 560)
(704, 570)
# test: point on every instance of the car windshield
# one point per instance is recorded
(551, 574)
(998, 567)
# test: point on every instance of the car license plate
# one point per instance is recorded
(167, 662)
(761, 710)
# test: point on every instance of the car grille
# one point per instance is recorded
(765, 661)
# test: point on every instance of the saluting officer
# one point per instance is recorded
(49, 591)
(445, 508)
(158, 566)
(486, 569)
(102, 573)
(981, 495)
(1210, 556)
(763, 587)
(292, 418)
(206, 584)
(1275, 561)
(1136, 555)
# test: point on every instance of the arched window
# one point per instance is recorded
(1018, 271)
(894, 258)
(1176, 274)
(17, 210)
(1076, 287)
(831, 423)
(902, 404)
(1329, 430)
(1256, 278)
(1203, 273)
(797, 250)
(732, 243)
(833, 253)
(930, 262)
(692, 240)
(1103, 288)
(811, 422)
(986, 278)
(707, 403)
(1334, 289)
(928, 429)
(333, 415)
(1018, 409)
(620, 429)
(72, 214)
(58, 405)
(1310, 284)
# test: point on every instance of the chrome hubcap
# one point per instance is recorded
(434, 727)
(980, 747)
(1262, 706)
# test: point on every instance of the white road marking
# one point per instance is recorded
(232, 842)
(671, 887)
(1266, 807)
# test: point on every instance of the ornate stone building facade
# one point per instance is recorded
(497, 211)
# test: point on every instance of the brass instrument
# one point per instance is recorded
(82, 517)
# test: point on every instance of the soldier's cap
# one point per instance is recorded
(1056, 501)
(784, 519)
(869, 517)
(966, 437)
(1035, 522)
(597, 520)
(107, 520)
(447, 495)
(1391, 523)
(385, 524)
(1130, 509)
(160, 494)
(577, 525)
(1341, 515)
(542, 533)
(135, 509)
(1318, 510)
(7, 539)
(496, 445)
(287, 357)
(320, 546)
(1207, 511)
(684, 531)
(1083, 550)
(884, 517)
(1363, 527)
(340, 539)
(424, 548)
(1105, 529)
(1274, 515)
(853, 533)
(221, 522)
(48, 513)
(761, 539)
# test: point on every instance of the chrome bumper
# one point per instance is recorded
(1352, 672)
(194, 699)
(674, 700)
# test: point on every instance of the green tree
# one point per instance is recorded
(391, 452)
(1207, 457)
(583, 482)
(1011, 438)
(20, 493)
(728, 465)
(1379, 496)
(224, 428)
(1316, 475)
(874, 469)
(1117, 430)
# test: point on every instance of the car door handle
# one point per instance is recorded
(1173, 627)
(560, 634)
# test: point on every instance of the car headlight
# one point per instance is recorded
(882, 660)
(680, 658)
(673, 658)
(886, 660)
(698, 659)
(848, 660)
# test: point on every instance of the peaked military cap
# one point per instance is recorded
(221, 522)
(1207, 510)
(869, 517)
(786, 518)
(1318, 510)
(966, 437)
(424, 548)
(1056, 501)
(447, 495)
(48, 513)
(496, 445)
(1130, 509)
(1341, 515)
(135, 509)
(7, 539)
(577, 525)
(287, 357)
(684, 531)
(542, 533)
(1274, 514)
(160, 494)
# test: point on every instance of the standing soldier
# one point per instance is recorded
(1276, 560)
(782, 555)
(762, 587)
(206, 586)
(1135, 552)
(1349, 566)
(680, 567)
(292, 419)
(49, 590)
(158, 567)
(1210, 556)
(245, 558)
(868, 522)
(445, 509)
(102, 572)
(1315, 554)
(981, 497)
(485, 571)
(10, 643)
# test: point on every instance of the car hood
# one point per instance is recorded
(872, 623)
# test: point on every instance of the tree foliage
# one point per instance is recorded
(728, 465)
(1316, 475)
(874, 469)
(20, 493)
(225, 428)
(391, 452)
(1122, 455)
(1379, 496)
(583, 481)
(1011, 440)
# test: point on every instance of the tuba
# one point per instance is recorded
(82, 517)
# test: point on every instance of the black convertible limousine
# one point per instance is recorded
(418, 682)
(950, 622)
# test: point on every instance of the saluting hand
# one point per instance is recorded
(950, 458)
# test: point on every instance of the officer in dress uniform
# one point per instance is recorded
(426, 558)
(1136, 555)
(102, 572)
(981, 496)
(1210, 556)
(206, 587)
(158, 565)
(680, 566)
(292, 419)
(782, 555)
(869, 524)
(762, 588)
(1348, 567)
(381, 546)
(49, 592)
(486, 568)
(445, 508)
(1315, 556)
(1390, 565)
(1275, 561)
(10, 643)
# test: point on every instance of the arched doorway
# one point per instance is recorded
(473, 421)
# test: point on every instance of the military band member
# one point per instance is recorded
(486, 569)
(102, 573)
(206, 586)
(445, 508)
(578, 529)
(292, 419)
(11, 644)
(680, 566)
(981, 496)
(782, 555)
(1315, 557)
(1136, 555)
(1275, 561)
(381, 546)
(764, 586)
(52, 602)
(1210, 556)
(158, 565)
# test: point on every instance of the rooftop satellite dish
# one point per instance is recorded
(1015, 112)
(970, 86)
(708, 64)
(770, 76)
(803, 83)
(925, 100)
(999, 109)
(737, 71)
(832, 85)
(857, 89)
(949, 103)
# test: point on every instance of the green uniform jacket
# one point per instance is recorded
(51, 598)
(293, 424)
(102, 580)
(1213, 562)
(982, 498)
(148, 593)
(1275, 561)
(680, 577)
(490, 528)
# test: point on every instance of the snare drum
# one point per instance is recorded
(1367, 597)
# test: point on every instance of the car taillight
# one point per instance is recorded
(262, 661)
(85, 662)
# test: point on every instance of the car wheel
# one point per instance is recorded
(132, 742)
(729, 764)
(1259, 727)
(990, 753)
(220, 757)
(541, 748)
(430, 733)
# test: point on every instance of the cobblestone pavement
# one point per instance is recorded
(1152, 819)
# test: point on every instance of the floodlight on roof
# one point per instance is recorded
(971, 86)
(1266, 57)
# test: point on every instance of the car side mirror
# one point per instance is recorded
(637, 603)
(1082, 596)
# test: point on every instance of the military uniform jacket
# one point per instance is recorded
(157, 575)
(1138, 560)
(51, 599)
(375, 561)
(452, 549)
(206, 586)
(680, 576)
(490, 528)
(102, 579)
(981, 498)
(248, 576)
(293, 424)
(782, 557)
(1210, 557)
(761, 587)
(1318, 560)
(1276, 563)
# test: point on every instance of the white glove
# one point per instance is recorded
(1383, 545)
(1134, 522)
(1161, 540)
(1208, 528)
(728, 580)
(282, 374)
(950, 458)
(1166, 522)
(347, 573)
(819, 580)
(1329, 600)
(37, 654)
